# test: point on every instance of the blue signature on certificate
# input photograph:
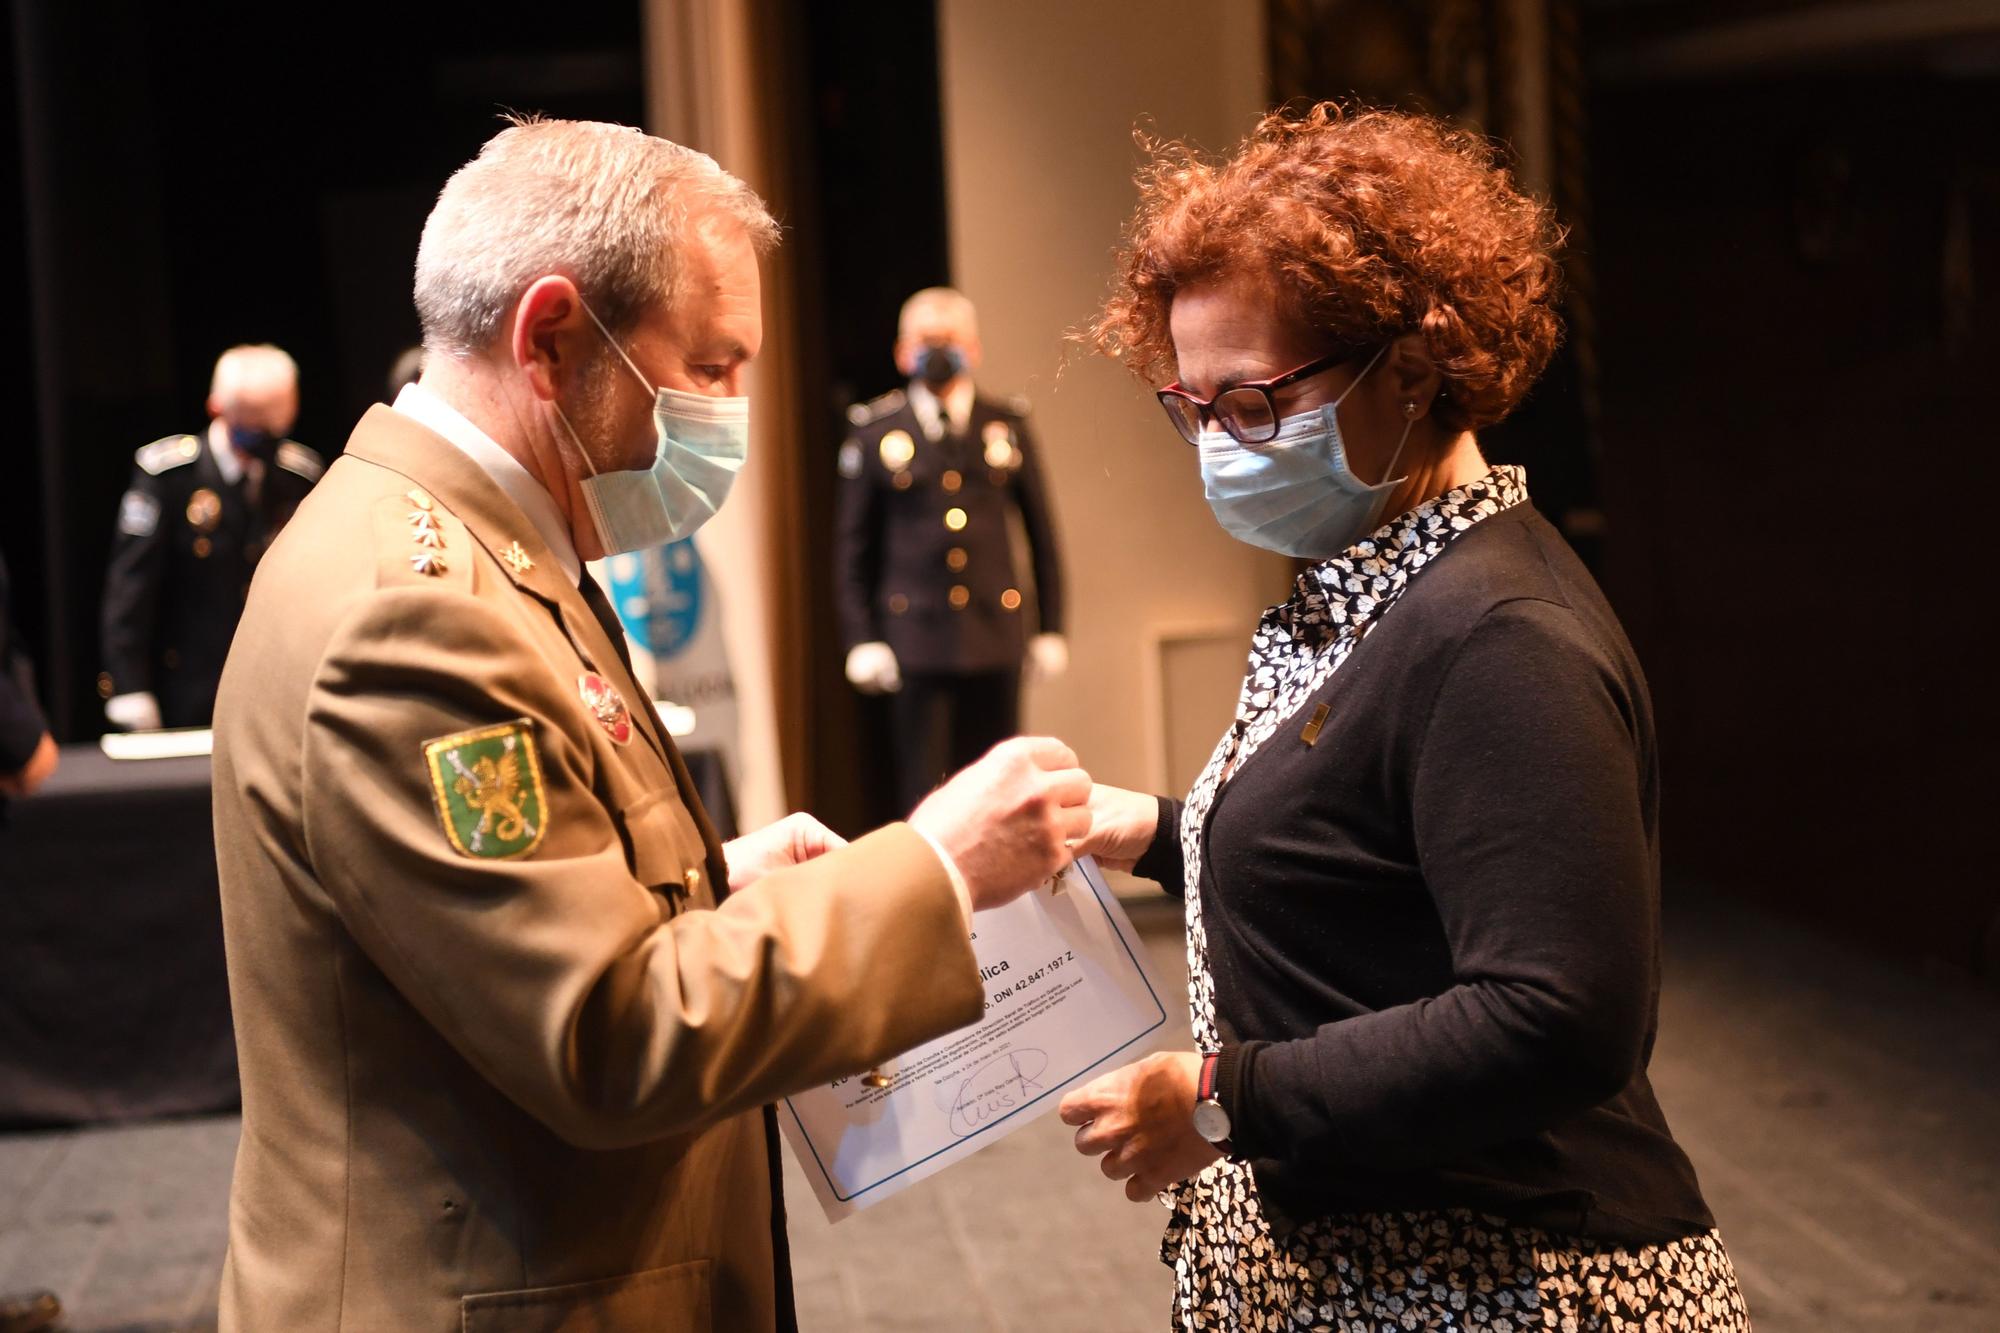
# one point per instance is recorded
(996, 1089)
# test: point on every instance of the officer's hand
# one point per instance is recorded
(1048, 656)
(793, 840)
(1123, 824)
(1008, 819)
(871, 668)
(138, 711)
(33, 773)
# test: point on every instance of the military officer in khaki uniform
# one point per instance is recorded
(509, 1017)
(193, 522)
(932, 599)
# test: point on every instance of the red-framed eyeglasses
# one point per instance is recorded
(1246, 411)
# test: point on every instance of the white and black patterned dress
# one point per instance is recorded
(1436, 1269)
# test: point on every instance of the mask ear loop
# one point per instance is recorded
(616, 347)
(1362, 376)
(1409, 415)
(563, 417)
(1409, 420)
(570, 430)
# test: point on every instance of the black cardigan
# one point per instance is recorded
(1434, 933)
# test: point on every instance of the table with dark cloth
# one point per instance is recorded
(114, 1002)
(113, 999)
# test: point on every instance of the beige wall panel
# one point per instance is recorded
(1040, 101)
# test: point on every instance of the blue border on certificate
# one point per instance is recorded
(1096, 896)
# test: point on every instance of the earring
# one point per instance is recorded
(1410, 410)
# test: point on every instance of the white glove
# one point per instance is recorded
(137, 711)
(871, 668)
(1048, 656)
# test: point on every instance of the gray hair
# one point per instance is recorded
(249, 367)
(946, 301)
(607, 206)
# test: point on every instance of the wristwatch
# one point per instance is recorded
(1210, 1120)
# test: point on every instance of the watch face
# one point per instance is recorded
(1211, 1121)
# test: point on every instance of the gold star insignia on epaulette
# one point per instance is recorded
(428, 562)
(420, 500)
(517, 559)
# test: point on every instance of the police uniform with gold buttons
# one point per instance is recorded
(925, 561)
(187, 541)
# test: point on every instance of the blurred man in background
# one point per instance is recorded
(931, 599)
(199, 512)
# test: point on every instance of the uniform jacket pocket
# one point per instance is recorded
(665, 848)
(672, 1298)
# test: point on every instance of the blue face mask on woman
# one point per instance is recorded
(703, 442)
(1294, 493)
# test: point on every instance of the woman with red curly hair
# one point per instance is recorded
(1422, 867)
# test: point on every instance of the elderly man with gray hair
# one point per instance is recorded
(195, 518)
(510, 1018)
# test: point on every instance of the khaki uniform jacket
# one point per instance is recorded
(509, 1076)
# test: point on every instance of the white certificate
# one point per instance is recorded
(1067, 996)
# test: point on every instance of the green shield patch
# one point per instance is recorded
(488, 788)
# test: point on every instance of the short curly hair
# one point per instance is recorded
(1373, 224)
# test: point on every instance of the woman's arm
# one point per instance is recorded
(1531, 814)
(1133, 831)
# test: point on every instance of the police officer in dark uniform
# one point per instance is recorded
(199, 512)
(932, 604)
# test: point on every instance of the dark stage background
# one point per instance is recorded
(186, 177)
(1769, 432)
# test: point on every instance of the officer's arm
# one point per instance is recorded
(553, 972)
(857, 547)
(132, 585)
(1042, 548)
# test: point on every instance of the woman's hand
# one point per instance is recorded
(1141, 1118)
(793, 840)
(1123, 825)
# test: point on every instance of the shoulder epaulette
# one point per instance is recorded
(876, 408)
(417, 541)
(165, 454)
(295, 457)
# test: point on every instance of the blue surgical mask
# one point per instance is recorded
(939, 365)
(254, 442)
(703, 442)
(1295, 494)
